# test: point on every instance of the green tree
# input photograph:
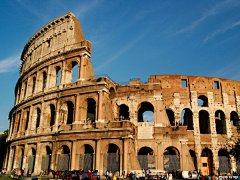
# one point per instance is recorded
(3, 146)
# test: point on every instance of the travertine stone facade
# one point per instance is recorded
(102, 121)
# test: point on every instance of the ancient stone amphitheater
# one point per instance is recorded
(95, 123)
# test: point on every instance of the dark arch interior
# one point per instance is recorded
(112, 93)
(171, 117)
(222, 152)
(38, 117)
(113, 148)
(194, 158)
(58, 74)
(27, 120)
(19, 119)
(33, 152)
(145, 151)
(33, 85)
(48, 150)
(52, 109)
(188, 119)
(206, 153)
(124, 111)
(65, 150)
(91, 109)
(220, 122)
(171, 151)
(44, 79)
(88, 148)
(74, 71)
(70, 112)
(204, 122)
(145, 106)
(202, 101)
(234, 118)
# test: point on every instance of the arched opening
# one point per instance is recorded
(202, 101)
(20, 162)
(58, 75)
(171, 159)
(52, 114)
(70, 112)
(206, 162)
(74, 71)
(13, 157)
(38, 117)
(204, 122)
(91, 110)
(46, 160)
(224, 161)
(145, 106)
(25, 90)
(234, 118)
(123, 112)
(31, 161)
(146, 158)
(187, 119)
(194, 158)
(220, 122)
(112, 158)
(27, 120)
(112, 93)
(34, 84)
(19, 91)
(19, 121)
(86, 159)
(63, 159)
(171, 116)
(44, 80)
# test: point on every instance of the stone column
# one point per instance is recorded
(100, 101)
(53, 165)
(38, 160)
(125, 154)
(11, 154)
(74, 159)
(77, 102)
(98, 155)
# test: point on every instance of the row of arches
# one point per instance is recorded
(48, 78)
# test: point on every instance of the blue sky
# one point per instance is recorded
(135, 38)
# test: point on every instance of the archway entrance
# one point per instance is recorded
(145, 107)
(91, 109)
(86, 159)
(146, 158)
(31, 161)
(224, 163)
(206, 162)
(46, 160)
(63, 159)
(111, 160)
(220, 122)
(20, 163)
(123, 112)
(171, 159)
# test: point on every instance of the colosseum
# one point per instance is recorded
(93, 122)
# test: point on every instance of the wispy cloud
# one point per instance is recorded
(10, 64)
(218, 8)
(148, 116)
(231, 71)
(222, 30)
(122, 51)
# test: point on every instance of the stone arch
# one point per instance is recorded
(187, 118)
(142, 108)
(21, 155)
(33, 84)
(202, 101)
(86, 158)
(112, 93)
(171, 117)
(58, 75)
(234, 118)
(220, 122)
(206, 161)
(123, 112)
(44, 80)
(38, 111)
(111, 159)
(146, 158)
(27, 114)
(31, 160)
(224, 161)
(204, 122)
(171, 159)
(63, 158)
(75, 74)
(91, 109)
(70, 112)
(46, 159)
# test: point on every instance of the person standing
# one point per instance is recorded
(117, 172)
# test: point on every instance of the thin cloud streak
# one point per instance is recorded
(222, 30)
(10, 64)
(218, 8)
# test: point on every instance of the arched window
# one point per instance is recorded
(149, 109)
(38, 117)
(91, 109)
(44, 80)
(34, 84)
(220, 122)
(74, 71)
(112, 93)
(19, 91)
(224, 161)
(206, 162)
(146, 158)
(25, 90)
(58, 75)
(171, 117)
(187, 119)
(52, 117)
(113, 157)
(202, 101)
(124, 112)
(27, 120)
(86, 159)
(70, 112)
(194, 158)
(171, 159)
(19, 121)
(63, 159)
(234, 118)
(204, 122)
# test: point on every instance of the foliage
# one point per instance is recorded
(99, 79)
(3, 146)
